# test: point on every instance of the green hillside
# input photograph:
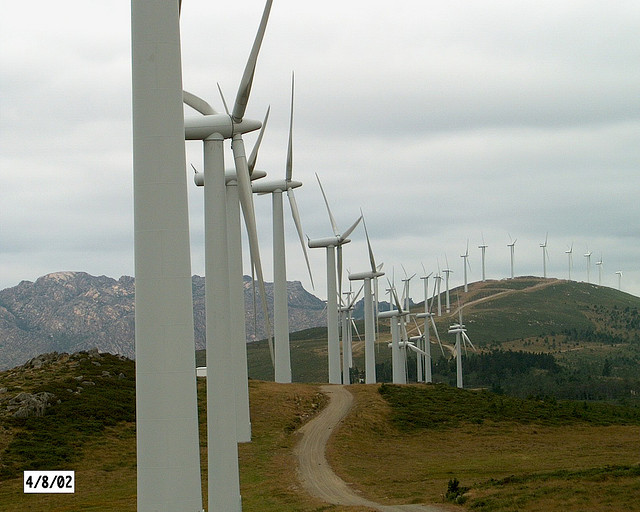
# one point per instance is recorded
(534, 337)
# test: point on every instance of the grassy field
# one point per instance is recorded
(559, 463)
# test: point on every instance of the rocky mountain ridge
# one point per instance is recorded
(73, 311)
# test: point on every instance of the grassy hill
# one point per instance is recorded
(591, 333)
(400, 444)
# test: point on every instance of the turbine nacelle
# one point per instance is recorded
(229, 174)
(359, 276)
(273, 186)
(203, 127)
(332, 241)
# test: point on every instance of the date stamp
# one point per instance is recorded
(49, 482)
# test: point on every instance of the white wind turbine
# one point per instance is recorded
(619, 274)
(438, 279)
(569, 252)
(465, 258)
(280, 295)
(370, 316)
(461, 339)
(167, 441)
(599, 265)
(511, 247)
(545, 256)
(425, 338)
(348, 325)
(483, 248)
(213, 128)
(398, 351)
(238, 338)
(588, 256)
(333, 245)
(446, 272)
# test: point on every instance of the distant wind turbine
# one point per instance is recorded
(599, 265)
(280, 293)
(370, 312)
(569, 252)
(465, 264)
(619, 274)
(588, 256)
(483, 248)
(461, 339)
(446, 272)
(511, 247)
(333, 246)
(545, 256)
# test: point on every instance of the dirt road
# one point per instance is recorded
(316, 475)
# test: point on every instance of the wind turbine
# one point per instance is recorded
(461, 339)
(370, 316)
(438, 279)
(398, 358)
(483, 248)
(588, 256)
(348, 324)
(166, 403)
(237, 336)
(511, 247)
(599, 265)
(428, 317)
(213, 128)
(446, 272)
(545, 256)
(280, 295)
(333, 245)
(569, 252)
(619, 273)
(465, 258)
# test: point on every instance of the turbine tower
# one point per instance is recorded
(333, 245)
(511, 247)
(599, 265)
(237, 335)
(213, 128)
(461, 339)
(619, 274)
(569, 252)
(465, 258)
(545, 256)
(428, 318)
(483, 248)
(280, 295)
(398, 358)
(167, 440)
(446, 272)
(588, 256)
(370, 316)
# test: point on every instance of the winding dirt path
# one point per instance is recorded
(314, 471)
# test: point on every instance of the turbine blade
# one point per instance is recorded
(246, 202)
(435, 330)
(296, 220)
(289, 168)
(334, 226)
(351, 228)
(244, 90)
(467, 340)
(197, 104)
(253, 157)
(371, 258)
(224, 101)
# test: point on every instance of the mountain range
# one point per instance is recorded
(72, 311)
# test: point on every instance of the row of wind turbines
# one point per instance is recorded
(168, 446)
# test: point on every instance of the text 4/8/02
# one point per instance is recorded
(49, 482)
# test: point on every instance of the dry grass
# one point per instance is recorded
(423, 462)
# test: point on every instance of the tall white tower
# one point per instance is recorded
(168, 448)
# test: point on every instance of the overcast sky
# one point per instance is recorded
(444, 121)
